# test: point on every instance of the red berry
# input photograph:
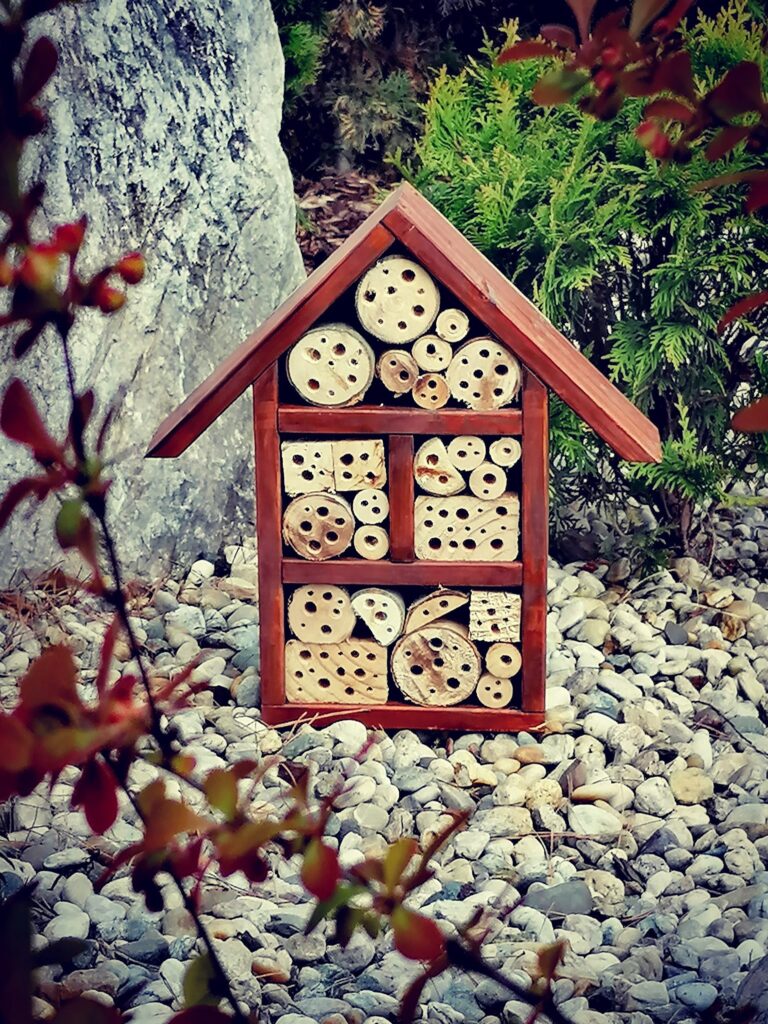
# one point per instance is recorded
(39, 267)
(131, 267)
(604, 80)
(69, 237)
(108, 299)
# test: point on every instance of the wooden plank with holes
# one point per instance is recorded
(407, 574)
(534, 542)
(401, 493)
(375, 419)
(269, 537)
(399, 715)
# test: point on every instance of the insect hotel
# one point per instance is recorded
(400, 424)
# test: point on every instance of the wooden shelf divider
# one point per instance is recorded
(401, 497)
(418, 574)
(375, 419)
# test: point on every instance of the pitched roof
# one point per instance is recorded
(408, 218)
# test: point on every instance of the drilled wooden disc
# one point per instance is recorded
(493, 692)
(488, 481)
(435, 666)
(505, 451)
(433, 606)
(370, 506)
(350, 672)
(321, 614)
(383, 612)
(371, 542)
(307, 466)
(452, 325)
(331, 365)
(397, 300)
(431, 391)
(503, 660)
(397, 370)
(466, 453)
(318, 526)
(434, 471)
(432, 353)
(483, 374)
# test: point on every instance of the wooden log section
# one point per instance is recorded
(370, 506)
(382, 611)
(452, 325)
(321, 615)
(318, 526)
(505, 451)
(483, 374)
(466, 452)
(307, 466)
(488, 481)
(431, 391)
(494, 692)
(466, 528)
(432, 607)
(397, 370)
(352, 672)
(371, 542)
(358, 465)
(494, 615)
(503, 660)
(397, 300)
(431, 353)
(435, 666)
(331, 365)
(433, 470)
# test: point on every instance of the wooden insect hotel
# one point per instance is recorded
(400, 422)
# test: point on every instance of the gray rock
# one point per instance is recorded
(698, 995)
(571, 897)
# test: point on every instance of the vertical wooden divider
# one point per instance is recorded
(269, 537)
(401, 497)
(535, 541)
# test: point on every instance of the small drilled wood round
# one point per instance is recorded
(435, 666)
(371, 542)
(383, 612)
(488, 481)
(503, 660)
(321, 615)
(466, 453)
(493, 692)
(331, 365)
(431, 391)
(397, 370)
(483, 374)
(505, 451)
(433, 470)
(370, 506)
(433, 606)
(452, 325)
(397, 300)
(318, 526)
(432, 353)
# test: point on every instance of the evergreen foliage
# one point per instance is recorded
(625, 255)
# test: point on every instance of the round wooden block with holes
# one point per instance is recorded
(370, 506)
(383, 612)
(452, 325)
(321, 615)
(488, 481)
(431, 391)
(397, 370)
(493, 692)
(483, 374)
(435, 666)
(466, 453)
(331, 365)
(371, 542)
(434, 471)
(505, 451)
(433, 606)
(397, 300)
(432, 353)
(503, 660)
(318, 526)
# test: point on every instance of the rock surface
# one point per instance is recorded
(164, 130)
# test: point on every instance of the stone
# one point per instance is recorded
(71, 924)
(571, 897)
(697, 995)
(598, 823)
(654, 796)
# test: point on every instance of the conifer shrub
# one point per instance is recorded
(626, 256)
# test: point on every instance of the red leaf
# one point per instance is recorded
(320, 871)
(16, 744)
(740, 92)
(105, 657)
(757, 196)
(69, 237)
(643, 13)
(416, 937)
(669, 110)
(525, 50)
(557, 86)
(752, 419)
(50, 680)
(37, 486)
(21, 422)
(582, 11)
(561, 35)
(40, 65)
(742, 307)
(652, 138)
(27, 338)
(675, 75)
(96, 792)
(726, 140)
